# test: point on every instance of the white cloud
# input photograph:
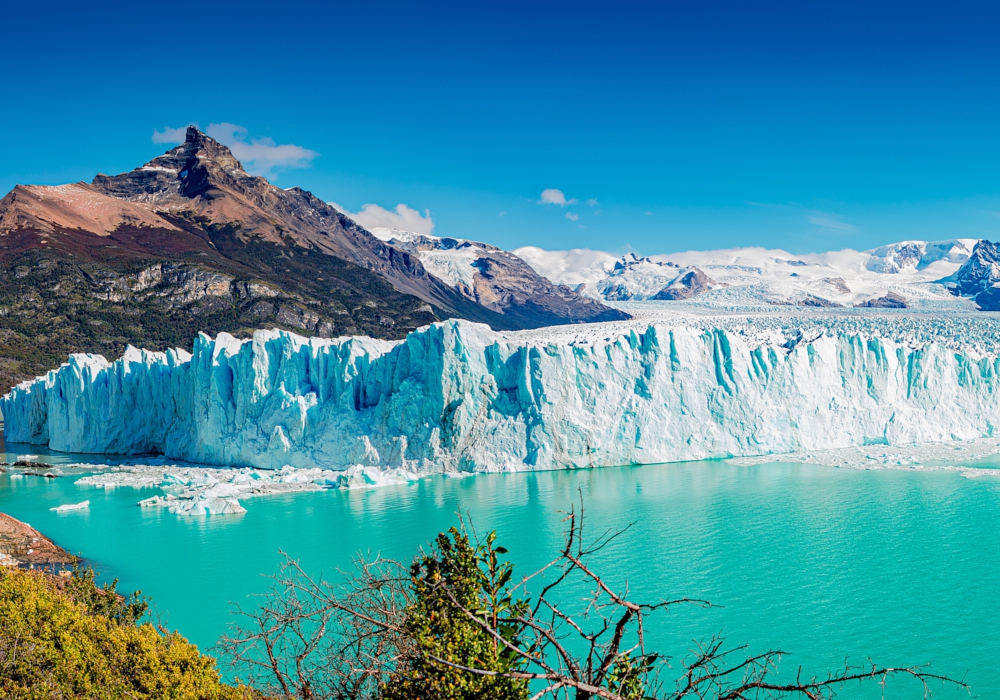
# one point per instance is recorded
(554, 196)
(503, 213)
(404, 218)
(591, 202)
(260, 156)
(169, 135)
(572, 217)
(830, 223)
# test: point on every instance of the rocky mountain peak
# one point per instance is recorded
(979, 276)
(193, 168)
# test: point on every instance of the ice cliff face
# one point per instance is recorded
(457, 396)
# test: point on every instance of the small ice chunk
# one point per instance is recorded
(71, 506)
(208, 506)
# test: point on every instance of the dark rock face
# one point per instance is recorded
(686, 285)
(889, 301)
(617, 292)
(838, 283)
(979, 276)
(818, 302)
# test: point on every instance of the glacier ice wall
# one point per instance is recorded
(457, 396)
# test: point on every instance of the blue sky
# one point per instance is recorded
(665, 126)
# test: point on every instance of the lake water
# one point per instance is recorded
(901, 566)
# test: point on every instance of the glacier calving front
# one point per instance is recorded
(456, 396)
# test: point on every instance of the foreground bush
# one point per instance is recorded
(56, 643)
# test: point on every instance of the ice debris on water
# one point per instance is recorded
(71, 506)
(215, 491)
(961, 458)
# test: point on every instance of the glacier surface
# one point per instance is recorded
(458, 397)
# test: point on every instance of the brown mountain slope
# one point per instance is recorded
(201, 180)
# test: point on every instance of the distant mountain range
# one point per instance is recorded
(191, 242)
(959, 273)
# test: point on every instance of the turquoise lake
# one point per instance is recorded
(899, 566)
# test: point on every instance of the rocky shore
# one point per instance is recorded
(23, 546)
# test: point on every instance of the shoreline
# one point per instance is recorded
(24, 547)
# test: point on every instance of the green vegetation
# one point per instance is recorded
(73, 639)
(457, 577)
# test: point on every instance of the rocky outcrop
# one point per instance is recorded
(890, 301)
(817, 302)
(25, 547)
(686, 285)
(838, 284)
(634, 277)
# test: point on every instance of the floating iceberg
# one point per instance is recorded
(200, 490)
(71, 506)
(458, 397)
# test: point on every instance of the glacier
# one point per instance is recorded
(459, 397)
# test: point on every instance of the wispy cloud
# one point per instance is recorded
(830, 222)
(572, 217)
(169, 135)
(554, 196)
(404, 217)
(592, 202)
(260, 156)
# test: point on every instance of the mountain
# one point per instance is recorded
(498, 280)
(635, 278)
(191, 242)
(979, 276)
(893, 276)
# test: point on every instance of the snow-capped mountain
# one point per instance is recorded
(891, 276)
(979, 277)
(498, 280)
(638, 278)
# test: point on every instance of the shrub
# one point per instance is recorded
(52, 646)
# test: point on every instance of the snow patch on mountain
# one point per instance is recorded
(452, 260)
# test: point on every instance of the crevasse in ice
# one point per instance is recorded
(456, 396)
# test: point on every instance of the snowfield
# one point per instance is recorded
(676, 384)
(910, 270)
